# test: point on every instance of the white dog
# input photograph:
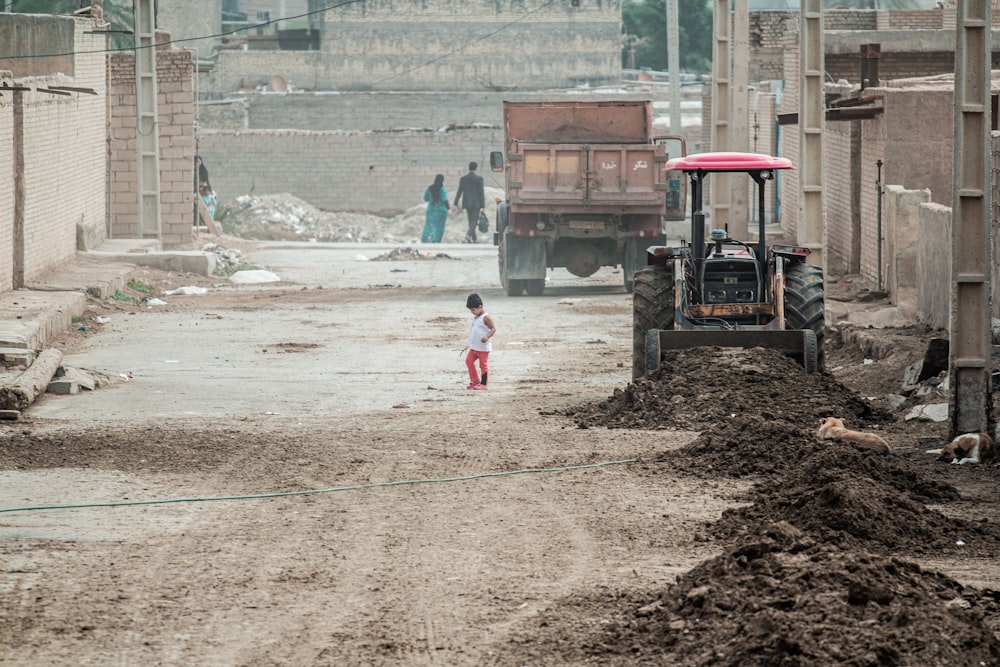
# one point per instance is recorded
(967, 448)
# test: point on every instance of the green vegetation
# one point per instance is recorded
(140, 287)
(122, 296)
(79, 319)
(644, 28)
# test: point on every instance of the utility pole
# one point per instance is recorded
(812, 116)
(969, 363)
(147, 123)
(674, 67)
(721, 108)
(739, 125)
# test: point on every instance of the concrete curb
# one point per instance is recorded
(30, 319)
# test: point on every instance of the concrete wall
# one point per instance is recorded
(902, 240)
(175, 108)
(449, 45)
(934, 259)
(52, 144)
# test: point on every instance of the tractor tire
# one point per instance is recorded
(652, 308)
(804, 305)
(810, 358)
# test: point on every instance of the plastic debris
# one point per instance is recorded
(187, 290)
(253, 276)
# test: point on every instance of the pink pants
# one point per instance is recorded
(484, 364)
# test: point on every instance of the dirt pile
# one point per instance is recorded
(810, 573)
(707, 387)
(285, 217)
(782, 598)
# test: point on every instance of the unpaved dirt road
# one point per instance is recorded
(318, 488)
(267, 389)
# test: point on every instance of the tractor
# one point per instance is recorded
(726, 292)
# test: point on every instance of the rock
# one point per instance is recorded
(932, 412)
(895, 401)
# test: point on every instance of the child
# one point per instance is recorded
(480, 333)
(208, 196)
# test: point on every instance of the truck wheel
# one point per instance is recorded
(652, 308)
(534, 287)
(804, 306)
(514, 287)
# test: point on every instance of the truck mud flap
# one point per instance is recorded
(799, 344)
(525, 258)
(635, 253)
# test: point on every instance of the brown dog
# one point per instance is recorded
(832, 428)
(967, 448)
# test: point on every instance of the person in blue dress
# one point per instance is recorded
(437, 211)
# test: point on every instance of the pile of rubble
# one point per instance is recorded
(285, 217)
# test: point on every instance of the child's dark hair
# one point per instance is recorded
(473, 301)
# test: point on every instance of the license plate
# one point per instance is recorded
(586, 224)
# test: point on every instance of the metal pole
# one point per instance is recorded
(878, 222)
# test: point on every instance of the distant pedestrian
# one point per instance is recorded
(481, 332)
(472, 194)
(200, 174)
(437, 211)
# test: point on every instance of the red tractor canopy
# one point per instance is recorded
(728, 162)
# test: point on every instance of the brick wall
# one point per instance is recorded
(916, 19)
(176, 110)
(839, 196)
(55, 147)
(447, 45)
(377, 110)
(380, 172)
(772, 32)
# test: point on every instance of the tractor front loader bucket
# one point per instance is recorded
(799, 344)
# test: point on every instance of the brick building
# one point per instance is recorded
(176, 116)
(52, 142)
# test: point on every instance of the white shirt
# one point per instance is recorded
(477, 330)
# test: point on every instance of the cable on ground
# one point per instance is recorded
(283, 494)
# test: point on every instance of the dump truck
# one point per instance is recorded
(585, 188)
(721, 291)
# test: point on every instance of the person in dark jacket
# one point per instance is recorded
(472, 194)
(200, 174)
